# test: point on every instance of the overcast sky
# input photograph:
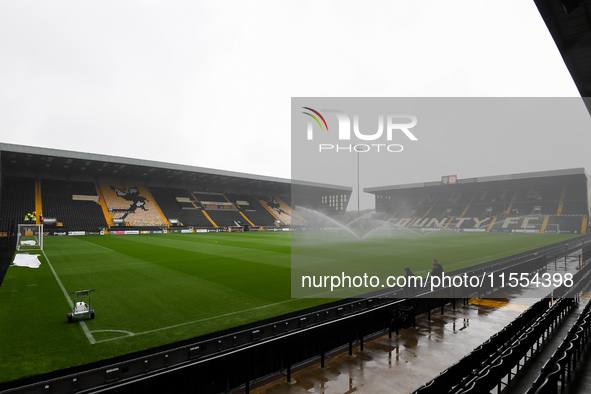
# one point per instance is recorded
(209, 83)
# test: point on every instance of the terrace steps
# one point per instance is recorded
(264, 205)
(247, 219)
(103, 204)
(561, 204)
(209, 218)
(38, 202)
(544, 224)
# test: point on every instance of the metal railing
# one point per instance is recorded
(559, 370)
(490, 366)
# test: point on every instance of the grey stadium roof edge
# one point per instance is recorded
(519, 177)
(21, 160)
(569, 23)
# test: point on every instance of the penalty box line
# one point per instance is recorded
(69, 299)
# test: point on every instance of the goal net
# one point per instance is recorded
(29, 237)
(552, 228)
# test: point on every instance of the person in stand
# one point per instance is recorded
(437, 269)
(408, 281)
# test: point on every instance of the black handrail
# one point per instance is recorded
(561, 365)
(496, 357)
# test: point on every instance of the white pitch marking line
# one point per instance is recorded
(196, 321)
(59, 282)
(129, 333)
(110, 250)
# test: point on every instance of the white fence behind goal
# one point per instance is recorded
(29, 237)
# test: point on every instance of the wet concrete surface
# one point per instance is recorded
(405, 362)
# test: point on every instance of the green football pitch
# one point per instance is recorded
(152, 290)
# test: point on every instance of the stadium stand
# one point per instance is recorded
(277, 207)
(18, 199)
(179, 204)
(252, 209)
(73, 204)
(218, 209)
(574, 201)
(538, 204)
(211, 201)
(565, 222)
(559, 370)
(227, 217)
(286, 199)
(132, 204)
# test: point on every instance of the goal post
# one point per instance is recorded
(29, 237)
(552, 229)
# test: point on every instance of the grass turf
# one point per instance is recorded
(157, 289)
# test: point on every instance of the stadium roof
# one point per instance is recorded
(569, 23)
(44, 162)
(480, 180)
